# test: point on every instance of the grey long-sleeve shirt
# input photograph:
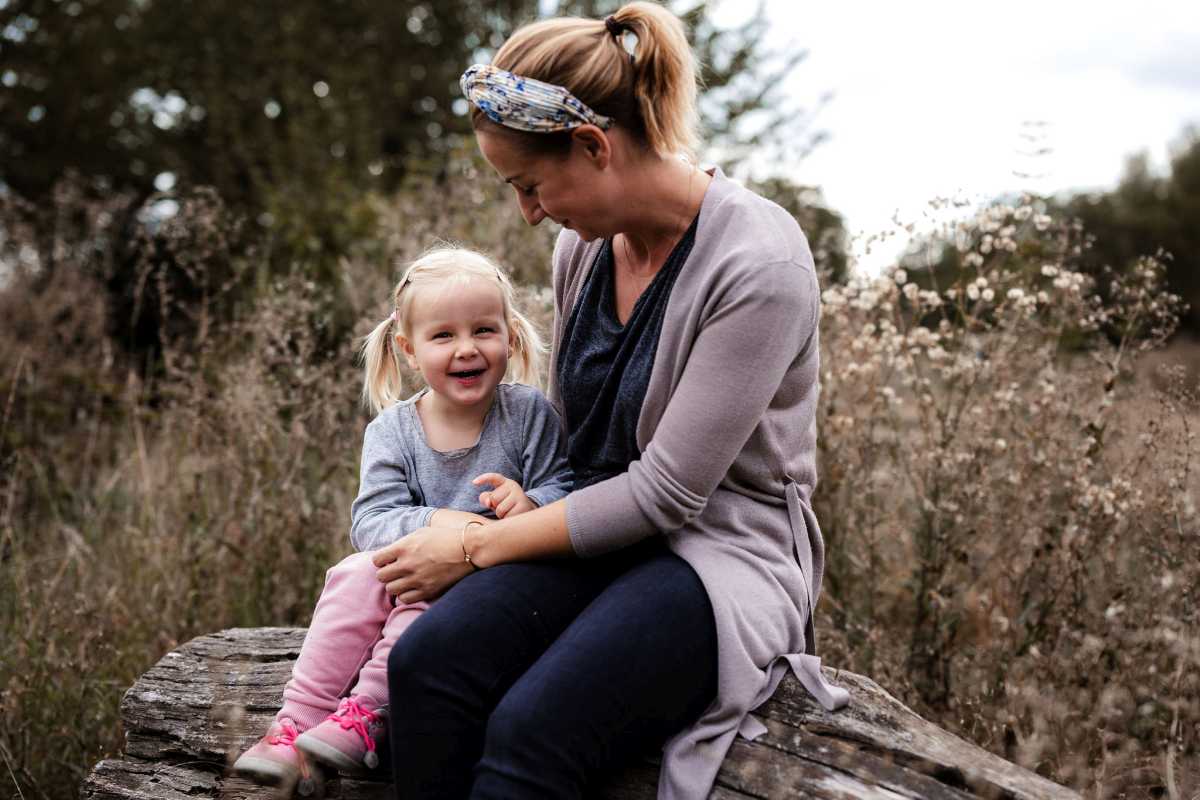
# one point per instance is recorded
(403, 480)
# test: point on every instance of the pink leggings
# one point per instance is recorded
(345, 652)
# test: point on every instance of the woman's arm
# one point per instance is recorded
(427, 562)
(541, 533)
(761, 319)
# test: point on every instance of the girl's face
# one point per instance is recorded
(459, 341)
(569, 190)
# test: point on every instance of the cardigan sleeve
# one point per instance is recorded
(752, 335)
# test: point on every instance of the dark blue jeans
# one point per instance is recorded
(529, 679)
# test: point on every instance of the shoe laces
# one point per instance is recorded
(351, 715)
(285, 736)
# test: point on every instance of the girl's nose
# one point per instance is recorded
(531, 210)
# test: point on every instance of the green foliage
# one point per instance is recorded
(294, 113)
(1147, 213)
(299, 116)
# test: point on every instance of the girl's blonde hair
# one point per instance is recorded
(446, 264)
(652, 95)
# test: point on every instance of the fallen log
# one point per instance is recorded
(192, 713)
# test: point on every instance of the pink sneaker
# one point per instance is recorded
(348, 739)
(275, 759)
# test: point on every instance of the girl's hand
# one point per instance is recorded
(422, 565)
(506, 499)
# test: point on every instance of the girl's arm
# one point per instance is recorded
(386, 509)
(450, 518)
(546, 476)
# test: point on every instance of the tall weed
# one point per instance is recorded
(1010, 517)
(1009, 502)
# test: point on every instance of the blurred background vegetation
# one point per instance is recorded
(201, 205)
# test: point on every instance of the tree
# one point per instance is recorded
(1148, 212)
(298, 114)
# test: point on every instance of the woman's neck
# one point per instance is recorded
(665, 196)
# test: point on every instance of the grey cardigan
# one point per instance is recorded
(727, 432)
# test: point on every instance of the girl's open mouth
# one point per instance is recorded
(467, 374)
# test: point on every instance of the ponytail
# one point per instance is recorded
(382, 384)
(664, 76)
(651, 95)
(527, 349)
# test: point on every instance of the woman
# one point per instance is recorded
(663, 600)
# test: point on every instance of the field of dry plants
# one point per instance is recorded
(1008, 478)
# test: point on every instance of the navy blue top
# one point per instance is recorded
(604, 367)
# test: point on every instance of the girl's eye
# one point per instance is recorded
(441, 335)
(486, 329)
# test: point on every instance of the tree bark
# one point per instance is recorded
(199, 707)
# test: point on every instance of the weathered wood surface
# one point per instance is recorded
(191, 714)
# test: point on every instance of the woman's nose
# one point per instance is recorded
(531, 210)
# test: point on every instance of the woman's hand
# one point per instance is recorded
(422, 565)
(506, 497)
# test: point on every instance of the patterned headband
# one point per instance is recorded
(526, 104)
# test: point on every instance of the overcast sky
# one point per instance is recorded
(931, 97)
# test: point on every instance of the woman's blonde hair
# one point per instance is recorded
(445, 264)
(652, 95)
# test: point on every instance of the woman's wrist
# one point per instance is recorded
(474, 539)
(467, 552)
(540, 533)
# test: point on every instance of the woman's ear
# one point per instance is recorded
(593, 144)
(403, 345)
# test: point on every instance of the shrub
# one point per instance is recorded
(1010, 519)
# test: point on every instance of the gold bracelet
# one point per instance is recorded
(466, 555)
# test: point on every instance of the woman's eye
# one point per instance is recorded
(527, 191)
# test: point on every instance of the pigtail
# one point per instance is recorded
(527, 349)
(382, 384)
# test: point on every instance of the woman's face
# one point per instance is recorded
(568, 190)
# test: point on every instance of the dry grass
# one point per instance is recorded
(1010, 510)
(1008, 499)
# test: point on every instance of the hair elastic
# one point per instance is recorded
(623, 35)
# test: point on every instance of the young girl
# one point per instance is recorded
(424, 462)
